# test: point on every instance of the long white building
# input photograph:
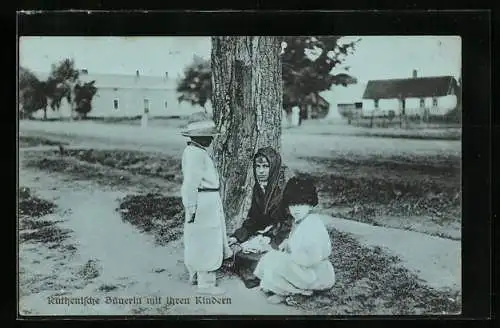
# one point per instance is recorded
(129, 96)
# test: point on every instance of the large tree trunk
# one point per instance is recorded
(247, 107)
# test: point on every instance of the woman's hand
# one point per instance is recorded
(236, 248)
(232, 240)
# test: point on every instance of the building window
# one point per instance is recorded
(115, 104)
(166, 103)
(434, 102)
(422, 102)
(376, 103)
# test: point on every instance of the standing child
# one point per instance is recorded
(205, 240)
(302, 264)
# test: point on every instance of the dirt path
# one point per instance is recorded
(128, 262)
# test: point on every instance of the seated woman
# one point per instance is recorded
(266, 217)
(301, 266)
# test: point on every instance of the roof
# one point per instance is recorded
(124, 81)
(419, 87)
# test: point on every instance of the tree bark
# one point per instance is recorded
(247, 108)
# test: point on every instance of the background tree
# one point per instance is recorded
(247, 107)
(196, 86)
(56, 92)
(32, 93)
(26, 79)
(62, 80)
(64, 71)
(84, 93)
(62, 83)
(308, 65)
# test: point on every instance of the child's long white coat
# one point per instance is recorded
(205, 239)
(306, 267)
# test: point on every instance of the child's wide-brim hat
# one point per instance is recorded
(204, 128)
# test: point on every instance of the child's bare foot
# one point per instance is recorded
(275, 299)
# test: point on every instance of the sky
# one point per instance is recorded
(376, 57)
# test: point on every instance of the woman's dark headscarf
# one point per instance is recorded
(269, 202)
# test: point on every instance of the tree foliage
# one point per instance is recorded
(64, 71)
(63, 83)
(83, 97)
(26, 78)
(308, 63)
(62, 79)
(32, 93)
(196, 86)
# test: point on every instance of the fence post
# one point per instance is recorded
(145, 114)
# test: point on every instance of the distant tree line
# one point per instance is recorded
(62, 83)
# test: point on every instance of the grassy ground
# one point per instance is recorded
(422, 132)
(370, 281)
(415, 192)
(377, 190)
(30, 141)
(156, 214)
(34, 229)
(111, 168)
(416, 134)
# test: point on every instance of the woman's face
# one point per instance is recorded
(299, 211)
(262, 168)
